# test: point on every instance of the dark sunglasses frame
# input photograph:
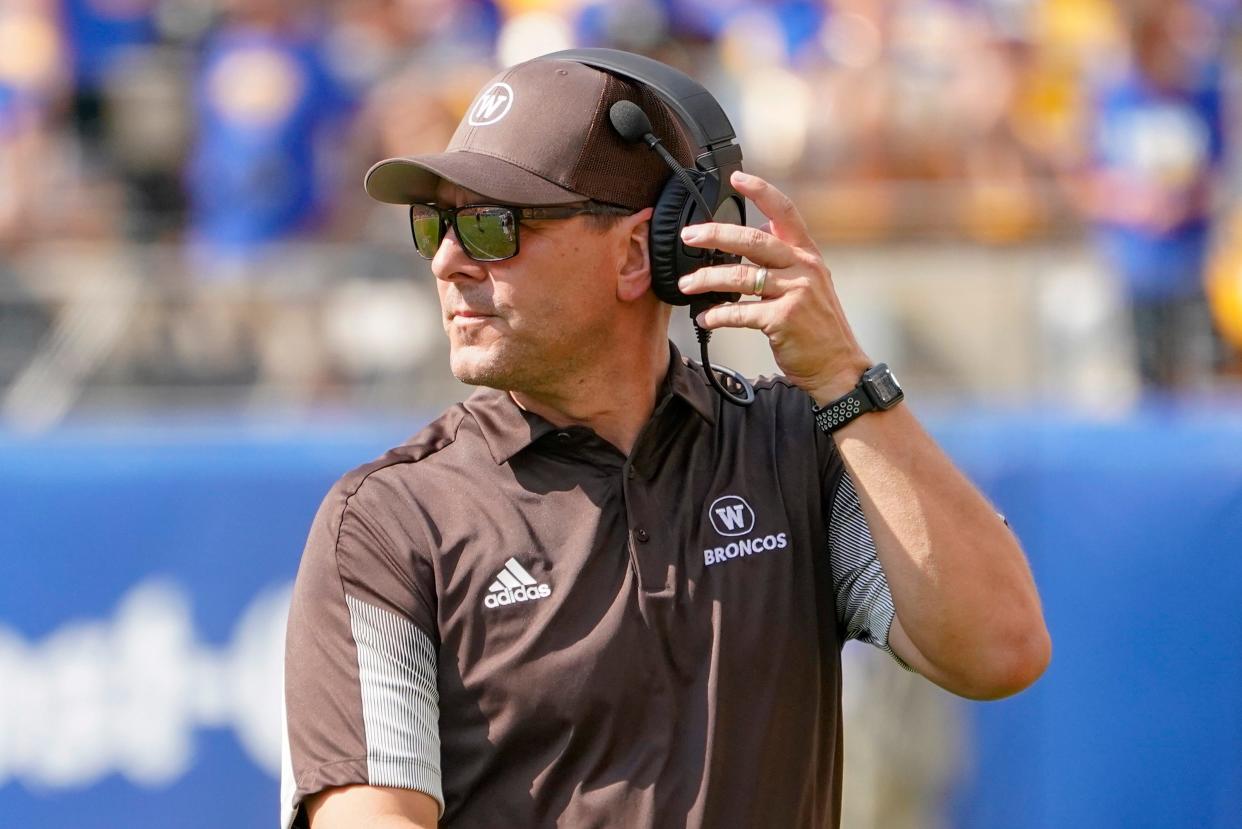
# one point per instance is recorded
(448, 215)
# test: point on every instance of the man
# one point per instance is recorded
(1157, 142)
(596, 594)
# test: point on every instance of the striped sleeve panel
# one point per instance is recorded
(864, 603)
(400, 704)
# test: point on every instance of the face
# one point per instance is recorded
(527, 323)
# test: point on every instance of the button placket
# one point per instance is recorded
(650, 564)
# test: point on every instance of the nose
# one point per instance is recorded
(451, 262)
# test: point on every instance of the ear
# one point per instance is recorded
(634, 271)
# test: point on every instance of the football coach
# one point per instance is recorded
(610, 588)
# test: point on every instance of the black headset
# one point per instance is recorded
(690, 196)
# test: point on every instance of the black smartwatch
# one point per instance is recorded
(876, 391)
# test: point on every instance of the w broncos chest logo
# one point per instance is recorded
(731, 516)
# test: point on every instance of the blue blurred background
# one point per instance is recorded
(1030, 209)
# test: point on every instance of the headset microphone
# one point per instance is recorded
(633, 125)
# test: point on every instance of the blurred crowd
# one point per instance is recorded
(221, 128)
(236, 123)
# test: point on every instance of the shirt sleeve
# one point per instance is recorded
(361, 700)
(864, 602)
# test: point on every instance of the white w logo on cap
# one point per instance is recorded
(492, 105)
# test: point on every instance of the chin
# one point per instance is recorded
(477, 365)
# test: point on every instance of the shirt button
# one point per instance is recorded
(564, 435)
(641, 535)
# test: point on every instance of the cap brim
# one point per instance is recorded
(414, 180)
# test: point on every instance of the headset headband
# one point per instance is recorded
(694, 105)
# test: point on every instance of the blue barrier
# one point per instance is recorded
(144, 572)
(1134, 530)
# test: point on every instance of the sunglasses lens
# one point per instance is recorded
(425, 225)
(488, 233)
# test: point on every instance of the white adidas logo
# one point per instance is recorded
(513, 584)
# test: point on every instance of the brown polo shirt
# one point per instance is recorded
(539, 631)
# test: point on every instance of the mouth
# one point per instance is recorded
(466, 316)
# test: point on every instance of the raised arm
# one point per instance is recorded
(967, 613)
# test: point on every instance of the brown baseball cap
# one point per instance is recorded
(539, 134)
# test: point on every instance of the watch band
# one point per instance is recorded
(842, 410)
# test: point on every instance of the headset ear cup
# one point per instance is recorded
(665, 236)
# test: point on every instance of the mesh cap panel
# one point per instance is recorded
(618, 172)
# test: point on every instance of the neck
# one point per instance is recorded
(615, 398)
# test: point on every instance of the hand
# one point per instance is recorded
(798, 309)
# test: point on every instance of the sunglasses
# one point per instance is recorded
(487, 232)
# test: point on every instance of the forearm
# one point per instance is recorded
(968, 614)
(372, 806)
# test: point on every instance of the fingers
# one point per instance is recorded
(775, 244)
(757, 315)
(754, 243)
(786, 222)
(798, 311)
(737, 278)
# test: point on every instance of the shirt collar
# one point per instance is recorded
(508, 429)
(687, 381)
(506, 426)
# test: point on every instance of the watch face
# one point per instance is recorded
(883, 385)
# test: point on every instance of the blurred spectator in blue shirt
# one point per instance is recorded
(32, 85)
(264, 99)
(100, 31)
(1157, 144)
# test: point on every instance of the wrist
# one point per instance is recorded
(876, 390)
(839, 383)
